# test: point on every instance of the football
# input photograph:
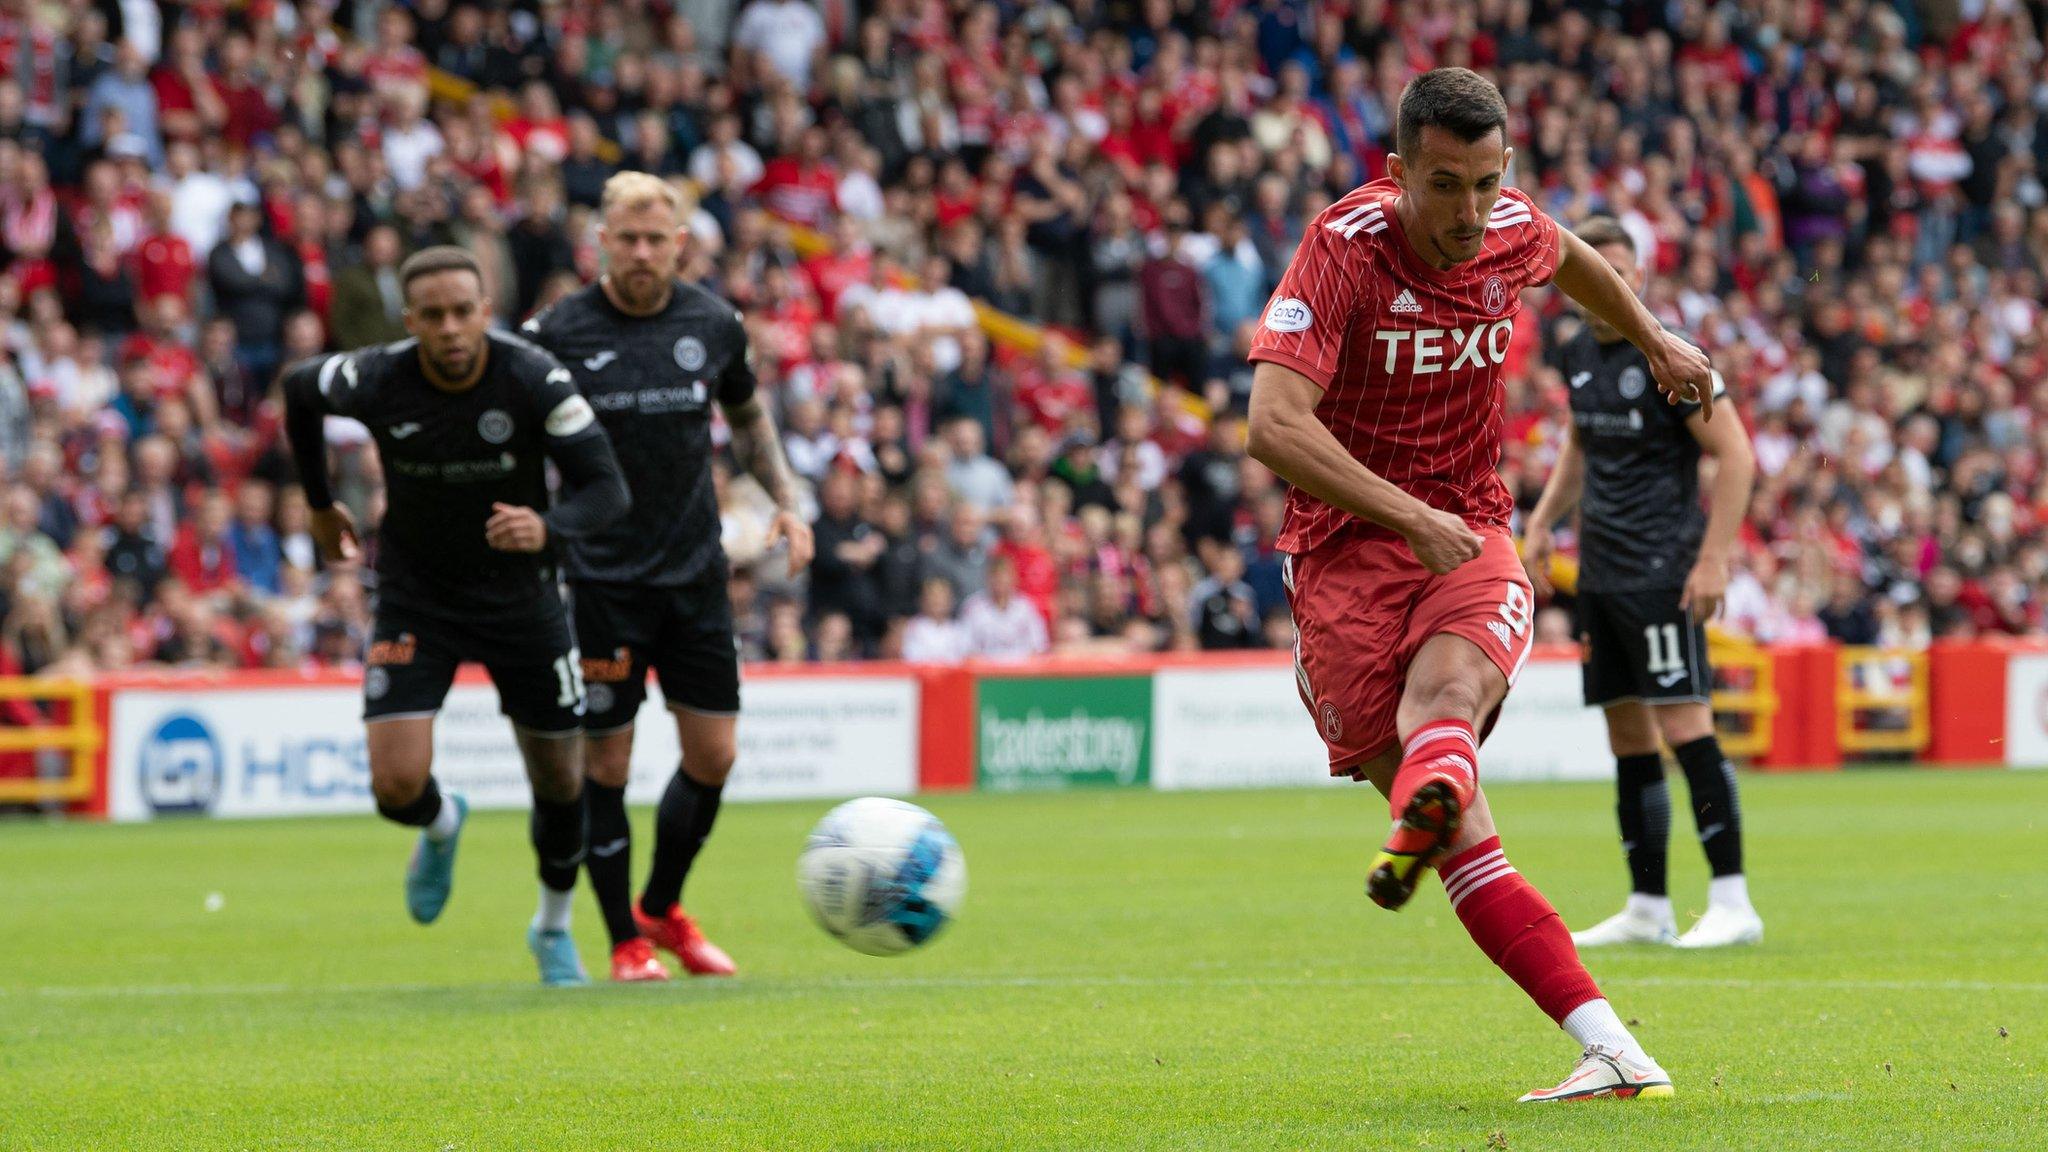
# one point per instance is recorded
(882, 876)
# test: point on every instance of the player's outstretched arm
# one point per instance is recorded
(1681, 370)
(1560, 495)
(1726, 441)
(307, 386)
(1287, 437)
(758, 449)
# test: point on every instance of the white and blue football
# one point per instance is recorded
(882, 876)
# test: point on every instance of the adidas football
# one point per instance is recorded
(882, 876)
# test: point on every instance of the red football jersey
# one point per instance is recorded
(1409, 356)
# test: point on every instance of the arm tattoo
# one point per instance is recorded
(758, 449)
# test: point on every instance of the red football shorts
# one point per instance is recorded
(1364, 606)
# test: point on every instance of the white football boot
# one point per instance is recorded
(1606, 1072)
(1722, 926)
(1629, 926)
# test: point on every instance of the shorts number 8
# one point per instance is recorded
(1516, 608)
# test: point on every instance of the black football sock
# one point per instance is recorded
(557, 832)
(681, 824)
(610, 859)
(1715, 809)
(1643, 804)
(420, 812)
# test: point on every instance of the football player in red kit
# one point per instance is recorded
(1377, 395)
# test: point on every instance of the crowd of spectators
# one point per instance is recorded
(1843, 201)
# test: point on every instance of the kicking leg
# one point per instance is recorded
(402, 780)
(1452, 687)
(1643, 807)
(689, 807)
(1717, 814)
(554, 767)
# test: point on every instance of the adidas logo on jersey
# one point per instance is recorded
(1405, 304)
(1501, 633)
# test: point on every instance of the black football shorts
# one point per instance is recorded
(684, 634)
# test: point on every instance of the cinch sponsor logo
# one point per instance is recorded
(180, 765)
(1040, 745)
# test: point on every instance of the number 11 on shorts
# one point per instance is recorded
(1662, 640)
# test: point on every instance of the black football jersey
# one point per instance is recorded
(448, 457)
(1640, 517)
(652, 381)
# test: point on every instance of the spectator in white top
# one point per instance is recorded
(789, 33)
(1000, 624)
(933, 636)
(1133, 433)
(199, 199)
(809, 444)
(411, 141)
(975, 476)
(747, 167)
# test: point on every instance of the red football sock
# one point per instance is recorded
(1517, 928)
(1440, 749)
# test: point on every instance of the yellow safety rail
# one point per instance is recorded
(79, 736)
(1746, 693)
(1888, 685)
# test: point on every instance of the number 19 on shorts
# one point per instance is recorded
(569, 674)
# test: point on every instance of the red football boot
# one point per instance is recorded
(634, 962)
(679, 934)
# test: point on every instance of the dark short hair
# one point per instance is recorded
(1457, 100)
(439, 258)
(1600, 231)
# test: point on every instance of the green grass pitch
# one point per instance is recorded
(1133, 971)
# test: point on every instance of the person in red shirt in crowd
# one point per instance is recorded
(540, 129)
(163, 261)
(395, 68)
(957, 195)
(1023, 546)
(1174, 309)
(1051, 390)
(187, 106)
(848, 262)
(163, 342)
(204, 555)
(801, 187)
(308, 238)
(250, 116)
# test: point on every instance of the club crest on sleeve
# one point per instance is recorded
(1496, 295)
(1289, 315)
(690, 355)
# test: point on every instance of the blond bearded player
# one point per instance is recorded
(1378, 397)
(652, 354)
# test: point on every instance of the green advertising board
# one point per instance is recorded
(1049, 732)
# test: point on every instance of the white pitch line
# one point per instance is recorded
(145, 991)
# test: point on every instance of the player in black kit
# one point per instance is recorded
(463, 420)
(1653, 568)
(651, 353)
